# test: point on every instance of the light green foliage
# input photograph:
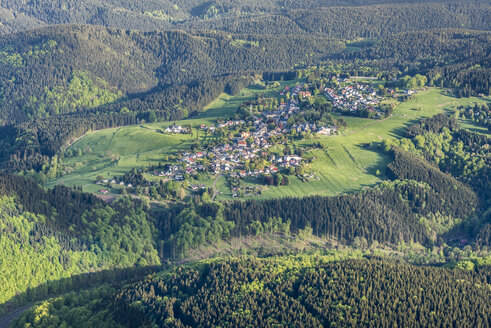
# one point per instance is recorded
(244, 43)
(81, 309)
(465, 265)
(195, 231)
(81, 92)
(211, 12)
(10, 59)
(272, 226)
(417, 81)
(27, 262)
(31, 257)
(438, 223)
(159, 14)
(121, 241)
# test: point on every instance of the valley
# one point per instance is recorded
(276, 163)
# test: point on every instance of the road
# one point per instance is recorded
(215, 193)
(5, 321)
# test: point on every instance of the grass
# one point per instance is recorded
(473, 127)
(344, 166)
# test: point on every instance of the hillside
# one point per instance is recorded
(338, 18)
(55, 236)
(316, 290)
(65, 69)
(245, 163)
(51, 238)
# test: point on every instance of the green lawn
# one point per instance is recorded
(347, 166)
(344, 166)
(143, 145)
(471, 126)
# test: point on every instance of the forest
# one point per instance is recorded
(347, 19)
(66, 69)
(449, 58)
(123, 64)
(315, 290)
(408, 247)
(51, 235)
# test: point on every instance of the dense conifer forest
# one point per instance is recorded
(300, 291)
(339, 18)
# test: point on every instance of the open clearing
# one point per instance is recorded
(344, 166)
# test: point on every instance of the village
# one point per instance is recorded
(250, 146)
(246, 154)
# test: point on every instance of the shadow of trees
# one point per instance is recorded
(114, 277)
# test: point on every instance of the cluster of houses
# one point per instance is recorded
(251, 143)
(176, 129)
(230, 158)
(353, 97)
(112, 182)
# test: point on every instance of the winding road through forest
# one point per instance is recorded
(11, 316)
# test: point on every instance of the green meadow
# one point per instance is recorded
(343, 166)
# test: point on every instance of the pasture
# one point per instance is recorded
(343, 166)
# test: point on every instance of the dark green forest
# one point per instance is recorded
(39, 68)
(292, 291)
(334, 18)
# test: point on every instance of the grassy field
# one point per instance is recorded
(112, 152)
(471, 126)
(344, 165)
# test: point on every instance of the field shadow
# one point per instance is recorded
(399, 132)
(114, 277)
(383, 159)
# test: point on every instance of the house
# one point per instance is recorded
(104, 191)
(305, 94)
(324, 131)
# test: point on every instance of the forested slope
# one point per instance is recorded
(66, 232)
(47, 236)
(339, 18)
(300, 291)
(367, 21)
(450, 58)
(64, 69)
